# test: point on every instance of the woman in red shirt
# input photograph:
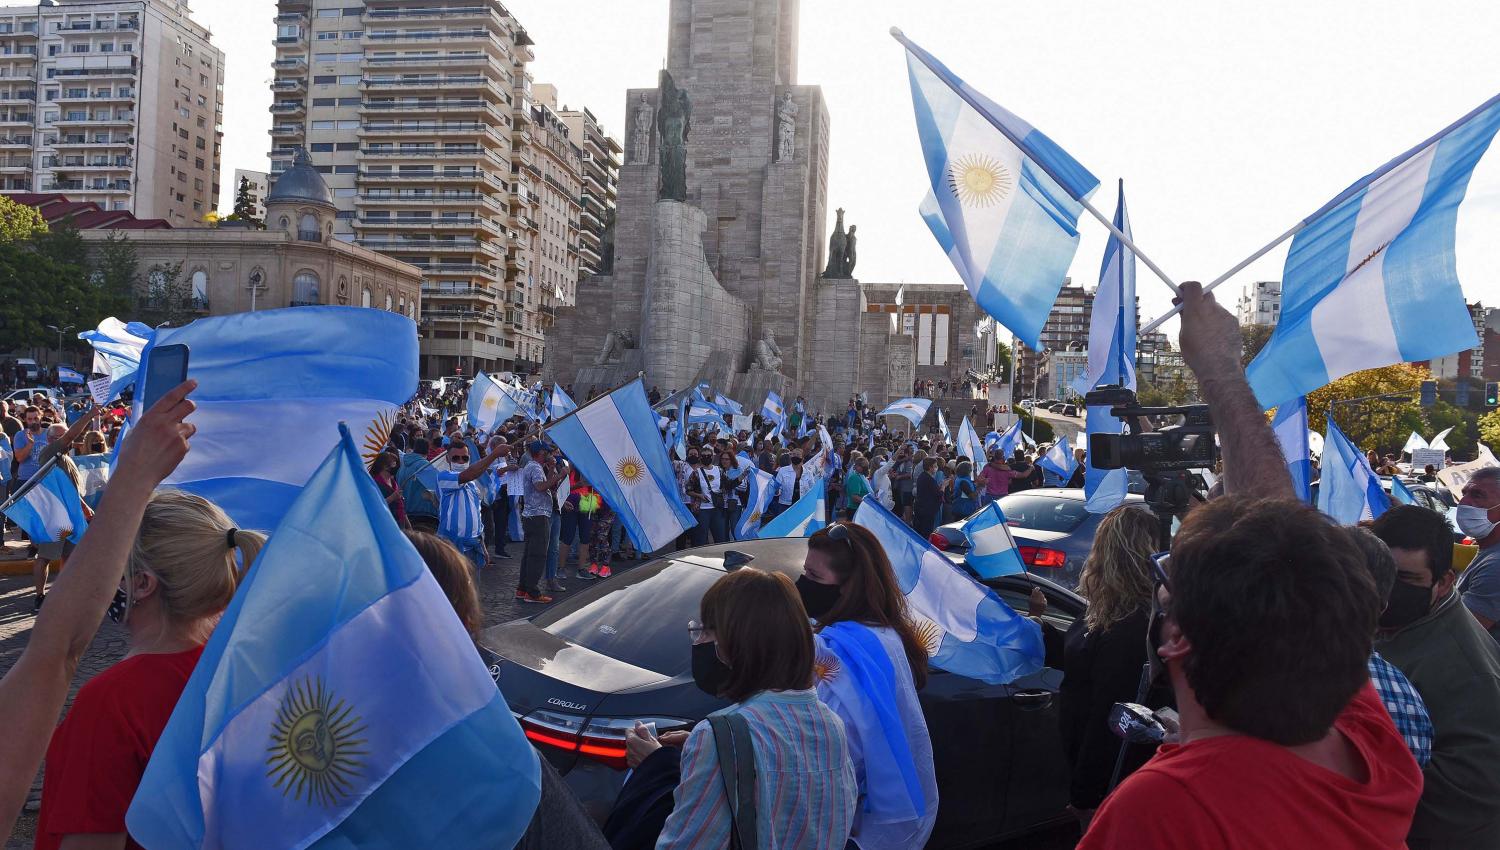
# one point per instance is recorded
(181, 573)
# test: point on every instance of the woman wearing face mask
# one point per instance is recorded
(383, 470)
(735, 485)
(752, 646)
(872, 660)
(182, 571)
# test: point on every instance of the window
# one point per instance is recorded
(347, 125)
(200, 286)
(348, 101)
(345, 169)
(348, 79)
(322, 125)
(307, 228)
(329, 13)
(346, 146)
(321, 147)
(388, 302)
(305, 289)
(324, 101)
(324, 80)
(364, 300)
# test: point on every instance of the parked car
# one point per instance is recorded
(581, 673)
(26, 393)
(1070, 410)
(1052, 529)
(33, 372)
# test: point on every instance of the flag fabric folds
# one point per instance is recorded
(1440, 442)
(1372, 278)
(117, 351)
(341, 706)
(968, 629)
(560, 404)
(913, 410)
(1005, 199)
(1413, 443)
(50, 510)
(761, 488)
(992, 551)
(1290, 428)
(1348, 490)
(1401, 493)
(1059, 460)
(492, 402)
(1011, 440)
(773, 410)
(727, 405)
(273, 386)
(613, 443)
(1111, 359)
(970, 446)
(943, 425)
(806, 515)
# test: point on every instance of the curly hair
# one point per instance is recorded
(1116, 577)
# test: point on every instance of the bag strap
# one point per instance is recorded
(737, 770)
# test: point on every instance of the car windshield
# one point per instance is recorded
(1043, 513)
(640, 618)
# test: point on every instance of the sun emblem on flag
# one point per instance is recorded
(826, 667)
(377, 434)
(978, 180)
(755, 516)
(929, 634)
(630, 470)
(315, 751)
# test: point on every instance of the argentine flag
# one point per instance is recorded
(943, 426)
(762, 486)
(1371, 278)
(727, 405)
(49, 509)
(560, 404)
(967, 628)
(342, 706)
(1111, 359)
(1059, 460)
(613, 443)
(970, 446)
(1005, 198)
(273, 386)
(773, 410)
(806, 515)
(94, 472)
(1348, 490)
(492, 403)
(912, 409)
(1401, 493)
(1290, 428)
(992, 551)
(1011, 440)
(117, 351)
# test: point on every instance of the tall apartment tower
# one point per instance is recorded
(547, 146)
(118, 102)
(413, 110)
(1260, 303)
(601, 180)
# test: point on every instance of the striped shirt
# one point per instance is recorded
(805, 786)
(458, 508)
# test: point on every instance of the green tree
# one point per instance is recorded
(1252, 339)
(62, 243)
(1002, 360)
(1044, 432)
(1378, 424)
(1463, 440)
(36, 292)
(19, 222)
(244, 205)
(1149, 396)
(167, 294)
(1489, 428)
(117, 274)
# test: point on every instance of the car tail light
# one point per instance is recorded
(937, 539)
(1037, 556)
(601, 738)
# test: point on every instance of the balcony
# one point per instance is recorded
(466, 245)
(96, 141)
(427, 82)
(288, 107)
(291, 18)
(428, 199)
(459, 290)
(13, 142)
(15, 121)
(287, 131)
(13, 165)
(447, 63)
(469, 270)
(98, 121)
(426, 128)
(457, 175)
(289, 85)
(459, 314)
(467, 36)
(290, 63)
(450, 14)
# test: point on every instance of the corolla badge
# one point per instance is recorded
(562, 703)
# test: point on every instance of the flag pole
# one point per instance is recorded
(923, 56)
(1238, 267)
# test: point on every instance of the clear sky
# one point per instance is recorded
(1227, 121)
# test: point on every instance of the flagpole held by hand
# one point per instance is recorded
(1238, 267)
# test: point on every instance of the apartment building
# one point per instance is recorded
(1260, 303)
(1067, 326)
(114, 102)
(551, 164)
(601, 178)
(259, 185)
(410, 110)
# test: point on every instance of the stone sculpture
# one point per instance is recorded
(786, 128)
(849, 257)
(673, 121)
(767, 353)
(615, 346)
(841, 251)
(641, 140)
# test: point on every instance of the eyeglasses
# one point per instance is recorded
(1160, 564)
(699, 633)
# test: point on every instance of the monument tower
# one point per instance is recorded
(718, 228)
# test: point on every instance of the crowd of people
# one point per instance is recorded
(1328, 686)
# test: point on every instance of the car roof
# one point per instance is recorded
(1072, 494)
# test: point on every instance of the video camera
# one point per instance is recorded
(1175, 448)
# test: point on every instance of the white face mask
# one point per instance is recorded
(1474, 521)
(457, 467)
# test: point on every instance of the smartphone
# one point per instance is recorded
(165, 369)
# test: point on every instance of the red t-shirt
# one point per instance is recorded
(98, 754)
(1235, 792)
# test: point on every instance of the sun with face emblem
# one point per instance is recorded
(630, 470)
(826, 667)
(929, 634)
(315, 752)
(377, 434)
(979, 180)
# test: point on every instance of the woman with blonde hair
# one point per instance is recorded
(183, 569)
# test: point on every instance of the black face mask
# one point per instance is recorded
(817, 598)
(1408, 603)
(710, 674)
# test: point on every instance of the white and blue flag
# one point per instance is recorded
(1348, 490)
(727, 405)
(613, 443)
(1372, 278)
(50, 510)
(992, 551)
(773, 410)
(338, 707)
(1111, 359)
(117, 350)
(1011, 440)
(560, 405)
(492, 402)
(943, 426)
(273, 386)
(913, 410)
(1401, 493)
(679, 444)
(93, 474)
(1059, 460)
(967, 629)
(762, 486)
(1290, 428)
(969, 444)
(69, 375)
(1005, 199)
(806, 515)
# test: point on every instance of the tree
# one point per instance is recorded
(1464, 438)
(1252, 339)
(1489, 428)
(62, 243)
(1149, 396)
(19, 222)
(117, 274)
(36, 292)
(1002, 359)
(244, 205)
(167, 295)
(1382, 425)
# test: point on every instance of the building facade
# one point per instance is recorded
(419, 116)
(113, 102)
(1260, 303)
(259, 185)
(1469, 363)
(601, 180)
(1067, 326)
(551, 252)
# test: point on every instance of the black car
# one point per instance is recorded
(581, 673)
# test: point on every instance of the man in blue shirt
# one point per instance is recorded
(459, 519)
(539, 480)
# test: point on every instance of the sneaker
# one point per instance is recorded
(36, 602)
(584, 575)
(604, 571)
(556, 586)
(541, 598)
(520, 595)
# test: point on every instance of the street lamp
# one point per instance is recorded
(60, 332)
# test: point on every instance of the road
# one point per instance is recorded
(1063, 426)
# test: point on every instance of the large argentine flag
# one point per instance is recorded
(806, 515)
(1059, 460)
(1372, 277)
(560, 405)
(491, 403)
(1290, 428)
(773, 410)
(761, 488)
(117, 351)
(49, 510)
(992, 551)
(342, 706)
(1005, 198)
(1348, 490)
(273, 386)
(612, 442)
(967, 628)
(1111, 359)
(1011, 440)
(969, 444)
(913, 409)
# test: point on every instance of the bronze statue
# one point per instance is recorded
(836, 245)
(673, 121)
(849, 252)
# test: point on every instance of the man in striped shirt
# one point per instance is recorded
(459, 519)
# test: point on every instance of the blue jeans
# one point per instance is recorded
(731, 519)
(703, 532)
(473, 550)
(554, 546)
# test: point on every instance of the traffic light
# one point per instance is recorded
(1429, 393)
(1492, 394)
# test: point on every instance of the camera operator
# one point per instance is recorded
(1265, 631)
